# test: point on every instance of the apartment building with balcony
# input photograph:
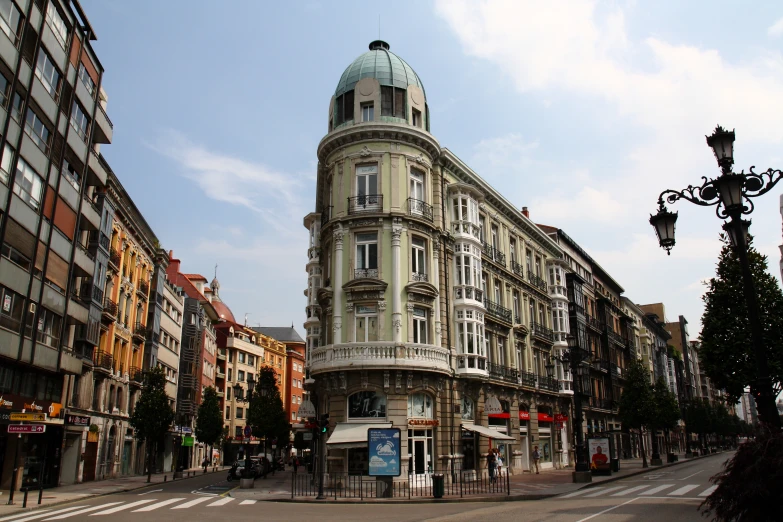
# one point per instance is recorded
(292, 389)
(428, 307)
(54, 228)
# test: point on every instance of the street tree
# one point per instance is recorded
(636, 402)
(727, 353)
(666, 410)
(267, 417)
(209, 419)
(152, 416)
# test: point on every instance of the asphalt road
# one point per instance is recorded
(671, 494)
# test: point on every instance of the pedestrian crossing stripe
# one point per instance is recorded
(124, 507)
(221, 502)
(158, 505)
(193, 502)
(81, 511)
(247, 502)
(622, 491)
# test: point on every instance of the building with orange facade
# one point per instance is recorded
(293, 389)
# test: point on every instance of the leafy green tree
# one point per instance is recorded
(636, 402)
(209, 419)
(727, 353)
(666, 410)
(152, 415)
(267, 417)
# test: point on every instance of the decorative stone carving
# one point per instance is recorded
(409, 383)
(349, 308)
(381, 306)
(397, 324)
(398, 381)
(338, 237)
(409, 307)
(386, 380)
(336, 326)
(343, 384)
(364, 378)
(425, 381)
(419, 158)
(365, 152)
(365, 222)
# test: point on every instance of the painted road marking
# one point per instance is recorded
(707, 492)
(683, 490)
(581, 492)
(82, 511)
(151, 491)
(159, 505)
(656, 489)
(20, 515)
(39, 514)
(192, 503)
(630, 490)
(247, 502)
(124, 507)
(604, 491)
(221, 502)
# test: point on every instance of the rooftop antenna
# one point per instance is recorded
(216, 270)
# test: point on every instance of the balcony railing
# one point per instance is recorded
(419, 208)
(503, 373)
(527, 379)
(140, 329)
(548, 383)
(601, 364)
(114, 258)
(498, 311)
(103, 360)
(326, 215)
(371, 273)
(604, 404)
(465, 227)
(494, 254)
(542, 332)
(109, 307)
(368, 203)
(135, 374)
(102, 239)
(419, 277)
(536, 281)
(518, 269)
(379, 354)
(616, 372)
(593, 322)
(613, 337)
(468, 292)
(143, 288)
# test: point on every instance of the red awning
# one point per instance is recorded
(499, 415)
(524, 415)
(560, 417)
(544, 417)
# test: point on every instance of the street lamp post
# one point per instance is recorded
(731, 193)
(550, 372)
(574, 358)
(239, 397)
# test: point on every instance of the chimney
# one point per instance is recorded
(525, 212)
(173, 268)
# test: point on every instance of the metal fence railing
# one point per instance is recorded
(456, 484)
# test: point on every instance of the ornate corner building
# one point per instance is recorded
(433, 303)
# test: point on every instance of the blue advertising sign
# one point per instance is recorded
(384, 452)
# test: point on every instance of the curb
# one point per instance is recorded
(98, 495)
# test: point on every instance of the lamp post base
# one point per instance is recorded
(582, 476)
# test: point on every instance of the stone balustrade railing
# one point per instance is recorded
(380, 354)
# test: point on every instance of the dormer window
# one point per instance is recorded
(368, 111)
(416, 118)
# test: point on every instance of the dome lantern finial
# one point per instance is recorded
(379, 44)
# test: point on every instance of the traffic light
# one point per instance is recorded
(323, 424)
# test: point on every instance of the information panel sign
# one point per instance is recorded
(599, 454)
(26, 428)
(29, 417)
(383, 446)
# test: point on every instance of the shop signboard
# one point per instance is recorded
(187, 441)
(26, 428)
(492, 406)
(599, 454)
(383, 446)
(28, 417)
(306, 409)
(77, 420)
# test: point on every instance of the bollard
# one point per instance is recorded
(40, 494)
(164, 478)
(24, 502)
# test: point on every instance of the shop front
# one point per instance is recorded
(522, 457)
(545, 433)
(500, 422)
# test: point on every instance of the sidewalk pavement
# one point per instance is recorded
(63, 494)
(527, 486)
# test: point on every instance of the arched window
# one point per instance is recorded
(367, 404)
(468, 409)
(420, 405)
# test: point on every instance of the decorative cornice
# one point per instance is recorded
(366, 132)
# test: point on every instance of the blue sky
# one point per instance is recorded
(582, 111)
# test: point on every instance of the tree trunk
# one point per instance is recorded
(149, 461)
(641, 444)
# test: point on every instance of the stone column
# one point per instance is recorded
(436, 281)
(396, 297)
(337, 298)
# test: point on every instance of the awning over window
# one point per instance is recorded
(349, 435)
(483, 430)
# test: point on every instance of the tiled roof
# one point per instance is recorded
(195, 277)
(280, 333)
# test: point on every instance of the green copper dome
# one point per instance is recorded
(381, 64)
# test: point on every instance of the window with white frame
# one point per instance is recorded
(9, 20)
(368, 111)
(512, 251)
(531, 311)
(28, 185)
(5, 163)
(367, 182)
(501, 343)
(419, 325)
(57, 24)
(367, 254)
(366, 323)
(470, 338)
(417, 188)
(498, 293)
(47, 73)
(418, 259)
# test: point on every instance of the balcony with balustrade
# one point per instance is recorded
(503, 373)
(467, 294)
(548, 384)
(419, 277)
(370, 203)
(497, 311)
(542, 333)
(536, 281)
(461, 229)
(528, 379)
(517, 269)
(420, 209)
(109, 312)
(493, 254)
(139, 332)
(135, 375)
(471, 365)
(379, 355)
(103, 362)
(613, 337)
(594, 324)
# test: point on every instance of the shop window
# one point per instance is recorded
(367, 405)
(420, 405)
(468, 409)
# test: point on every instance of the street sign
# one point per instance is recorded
(26, 428)
(29, 417)
(384, 452)
(187, 441)
(77, 420)
(306, 409)
(248, 431)
(307, 436)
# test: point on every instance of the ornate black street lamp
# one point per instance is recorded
(731, 193)
(239, 396)
(573, 358)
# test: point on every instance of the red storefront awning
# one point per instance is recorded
(524, 415)
(544, 417)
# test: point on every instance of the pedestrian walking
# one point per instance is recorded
(536, 458)
(492, 464)
(295, 462)
(204, 464)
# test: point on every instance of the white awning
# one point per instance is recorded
(483, 430)
(349, 435)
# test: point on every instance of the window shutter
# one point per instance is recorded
(57, 270)
(39, 256)
(57, 149)
(28, 43)
(20, 239)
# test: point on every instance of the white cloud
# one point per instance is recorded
(505, 150)
(776, 29)
(274, 195)
(589, 204)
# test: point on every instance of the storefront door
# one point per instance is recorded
(420, 451)
(126, 457)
